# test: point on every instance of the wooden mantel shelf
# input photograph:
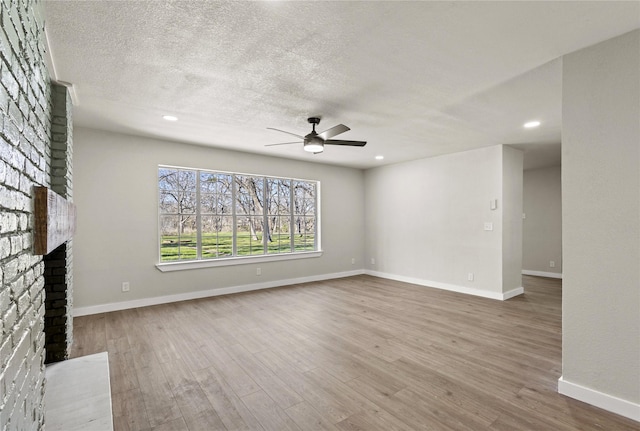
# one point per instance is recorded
(54, 220)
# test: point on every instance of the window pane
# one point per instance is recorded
(177, 238)
(186, 181)
(167, 179)
(225, 182)
(225, 204)
(280, 237)
(187, 203)
(309, 206)
(217, 236)
(208, 203)
(169, 238)
(304, 238)
(208, 182)
(249, 195)
(279, 195)
(188, 238)
(249, 236)
(272, 196)
(168, 202)
(305, 198)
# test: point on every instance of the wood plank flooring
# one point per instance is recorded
(359, 353)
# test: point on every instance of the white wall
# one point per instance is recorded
(542, 228)
(601, 218)
(117, 234)
(511, 208)
(425, 221)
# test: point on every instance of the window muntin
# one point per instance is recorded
(209, 215)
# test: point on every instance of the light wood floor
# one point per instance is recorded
(359, 353)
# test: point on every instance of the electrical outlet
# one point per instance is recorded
(470, 276)
(258, 271)
(126, 286)
(353, 261)
(488, 225)
(552, 264)
(373, 261)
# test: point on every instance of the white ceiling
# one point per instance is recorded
(414, 79)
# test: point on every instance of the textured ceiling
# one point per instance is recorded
(414, 79)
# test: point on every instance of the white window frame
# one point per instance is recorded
(197, 263)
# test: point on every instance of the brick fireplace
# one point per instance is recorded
(58, 265)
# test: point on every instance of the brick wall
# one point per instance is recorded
(25, 161)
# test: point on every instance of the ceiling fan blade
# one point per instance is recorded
(288, 133)
(330, 133)
(283, 143)
(349, 143)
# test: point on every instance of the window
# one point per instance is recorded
(207, 215)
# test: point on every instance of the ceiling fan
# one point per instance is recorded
(314, 142)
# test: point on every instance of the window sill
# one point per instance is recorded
(243, 260)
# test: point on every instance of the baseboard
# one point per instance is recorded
(512, 293)
(542, 274)
(156, 300)
(451, 287)
(599, 399)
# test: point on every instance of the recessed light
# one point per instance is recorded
(531, 124)
(379, 157)
(169, 118)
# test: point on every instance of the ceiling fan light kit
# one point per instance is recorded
(314, 146)
(314, 142)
